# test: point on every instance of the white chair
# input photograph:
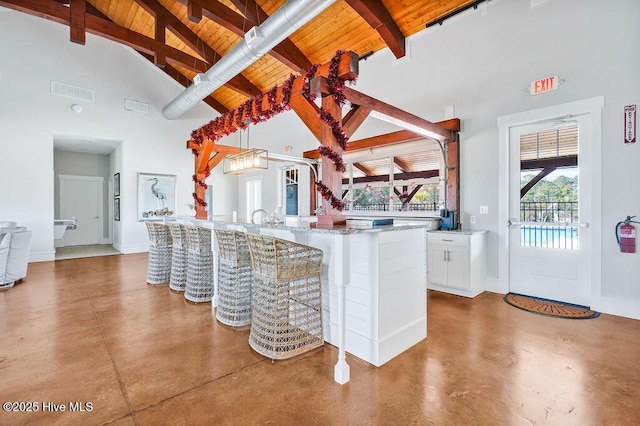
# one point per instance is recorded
(15, 245)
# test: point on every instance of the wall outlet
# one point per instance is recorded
(484, 209)
(472, 219)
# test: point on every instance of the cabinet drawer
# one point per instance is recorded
(448, 239)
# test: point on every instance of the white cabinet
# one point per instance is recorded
(456, 262)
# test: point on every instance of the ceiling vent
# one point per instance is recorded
(136, 106)
(69, 91)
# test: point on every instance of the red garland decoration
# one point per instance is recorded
(332, 155)
(327, 194)
(199, 200)
(306, 85)
(199, 182)
(252, 109)
(336, 128)
(336, 85)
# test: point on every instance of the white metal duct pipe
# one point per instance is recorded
(257, 42)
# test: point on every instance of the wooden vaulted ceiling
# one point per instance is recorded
(186, 37)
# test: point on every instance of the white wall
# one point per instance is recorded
(35, 52)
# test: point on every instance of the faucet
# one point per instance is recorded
(253, 213)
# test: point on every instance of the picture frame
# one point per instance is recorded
(116, 209)
(116, 185)
(156, 196)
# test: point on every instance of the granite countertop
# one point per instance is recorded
(308, 226)
(305, 226)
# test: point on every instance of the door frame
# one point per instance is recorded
(592, 107)
(98, 179)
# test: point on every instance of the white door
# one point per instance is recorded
(549, 235)
(254, 197)
(81, 198)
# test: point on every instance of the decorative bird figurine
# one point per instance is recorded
(161, 196)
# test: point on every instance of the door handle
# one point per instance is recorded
(96, 217)
(448, 256)
(444, 253)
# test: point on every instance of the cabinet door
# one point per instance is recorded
(437, 268)
(458, 267)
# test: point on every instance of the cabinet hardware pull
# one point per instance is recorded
(445, 255)
(446, 240)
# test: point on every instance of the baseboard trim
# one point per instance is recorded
(133, 249)
(494, 285)
(44, 256)
(620, 307)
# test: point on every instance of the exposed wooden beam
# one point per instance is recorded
(398, 176)
(77, 21)
(565, 161)
(347, 70)
(392, 138)
(548, 165)
(402, 165)
(107, 29)
(354, 119)
(215, 160)
(164, 18)
(453, 175)
(51, 10)
(367, 171)
(194, 11)
(537, 178)
(286, 52)
(378, 17)
(387, 112)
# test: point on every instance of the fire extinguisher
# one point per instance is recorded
(626, 235)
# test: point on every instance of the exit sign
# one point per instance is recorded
(544, 85)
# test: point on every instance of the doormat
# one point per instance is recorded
(550, 308)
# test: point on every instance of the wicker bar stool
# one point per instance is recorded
(160, 247)
(199, 286)
(286, 307)
(179, 256)
(234, 278)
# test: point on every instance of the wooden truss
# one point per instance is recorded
(210, 154)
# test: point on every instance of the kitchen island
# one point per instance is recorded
(373, 285)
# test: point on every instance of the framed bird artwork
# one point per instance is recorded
(156, 196)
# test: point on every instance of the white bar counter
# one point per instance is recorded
(382, 272)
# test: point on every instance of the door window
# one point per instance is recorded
(549, 177)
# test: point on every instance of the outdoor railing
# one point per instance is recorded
(545, 224)
(549, 211)
(384, 207)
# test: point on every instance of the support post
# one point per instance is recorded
(341, 371)
(331, 177)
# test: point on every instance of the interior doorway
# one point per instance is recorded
(81, 198)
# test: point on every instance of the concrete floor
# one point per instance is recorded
(92, 331)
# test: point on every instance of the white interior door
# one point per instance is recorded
(81, 198)
(549, 235)
(254, 197)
